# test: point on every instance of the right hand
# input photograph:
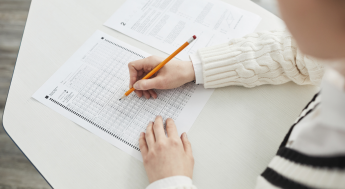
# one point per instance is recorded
(174, 74)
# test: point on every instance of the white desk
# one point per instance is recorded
(70, 157)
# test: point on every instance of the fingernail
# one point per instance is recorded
(130, 86)
(136, 86)
(150, 122)
(185, 136)
(141, 134)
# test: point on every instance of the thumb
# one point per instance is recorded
(186, 144)
(145, 84)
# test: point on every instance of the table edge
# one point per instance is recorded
(3, 115)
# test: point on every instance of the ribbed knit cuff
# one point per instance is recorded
(197, 65)
(171, 182)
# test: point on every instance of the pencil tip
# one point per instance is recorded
(122, 97)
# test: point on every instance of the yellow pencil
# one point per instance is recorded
(159, 66)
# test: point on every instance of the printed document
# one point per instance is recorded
(87, 89)
(167, 24)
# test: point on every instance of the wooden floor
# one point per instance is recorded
(16, 172)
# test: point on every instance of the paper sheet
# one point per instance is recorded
(167, 24)
(87, 88)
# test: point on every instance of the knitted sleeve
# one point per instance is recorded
(269, 57)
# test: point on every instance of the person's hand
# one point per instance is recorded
(165, 156)
(174, 74)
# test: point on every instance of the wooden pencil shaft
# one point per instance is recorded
(159, 66)
(129, 91)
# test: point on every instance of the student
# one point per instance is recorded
(312, 155)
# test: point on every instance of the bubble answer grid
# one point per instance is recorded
(104, 77)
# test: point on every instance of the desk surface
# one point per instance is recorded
(233, 139)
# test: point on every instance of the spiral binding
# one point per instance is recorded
(100, 127)
(124, 48)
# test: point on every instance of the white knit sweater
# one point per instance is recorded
(315, 144)
(257, 59)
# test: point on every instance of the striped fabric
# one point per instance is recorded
(292, 169)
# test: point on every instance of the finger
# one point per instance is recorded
(158, 128)
(153, 93)
(146, 64)
(171, 128)
(138, 77)
(149, 136)
(142, 144)
(146, 94)
(136, 70)
(186, 144)
(139, 93)
(133, 73)
(140, 74)
(146, 84)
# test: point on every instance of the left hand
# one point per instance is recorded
(165, 156)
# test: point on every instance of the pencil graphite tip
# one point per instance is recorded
(122, 97)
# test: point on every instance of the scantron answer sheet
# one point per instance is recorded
(87, 88)
(166, 24)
